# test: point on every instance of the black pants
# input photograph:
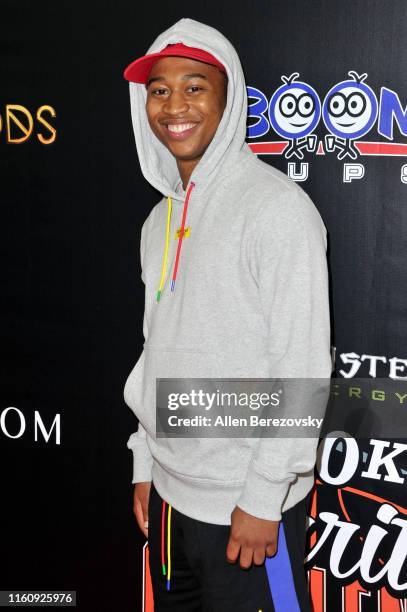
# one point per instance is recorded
(202, 580)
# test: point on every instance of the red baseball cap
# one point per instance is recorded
(138, 71)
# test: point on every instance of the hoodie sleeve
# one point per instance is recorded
(142, 459)
(287, 258)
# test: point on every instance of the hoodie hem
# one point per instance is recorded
(210, 503)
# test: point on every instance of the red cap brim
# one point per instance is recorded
(138, 71)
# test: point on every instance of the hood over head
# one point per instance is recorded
(157, 164)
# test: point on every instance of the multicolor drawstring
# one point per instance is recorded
(166, 568)
(180, 238)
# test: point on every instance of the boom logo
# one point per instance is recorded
(349, 111)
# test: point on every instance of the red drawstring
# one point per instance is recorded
(181, 236)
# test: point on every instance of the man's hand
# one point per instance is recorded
(255, 538)
(140, 505)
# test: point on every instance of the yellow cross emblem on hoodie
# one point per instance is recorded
(186, 232)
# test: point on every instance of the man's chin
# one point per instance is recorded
(185, 153)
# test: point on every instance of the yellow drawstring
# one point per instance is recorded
(168, 547)
(167, 235)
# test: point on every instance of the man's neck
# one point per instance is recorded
(185, 169)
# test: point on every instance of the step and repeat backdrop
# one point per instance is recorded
(327, 90)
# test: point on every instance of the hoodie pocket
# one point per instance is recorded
(216, 461)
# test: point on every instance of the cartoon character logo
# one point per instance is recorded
(294, 112)
(349, 111)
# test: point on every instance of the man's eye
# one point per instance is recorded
(195, 87)
(158, 91)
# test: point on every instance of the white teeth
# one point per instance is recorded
(181, 127)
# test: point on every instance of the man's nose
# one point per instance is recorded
(176, 103)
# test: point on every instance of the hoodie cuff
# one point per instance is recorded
(142, 461)
(262, 497)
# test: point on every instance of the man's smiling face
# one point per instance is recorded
(185, 103)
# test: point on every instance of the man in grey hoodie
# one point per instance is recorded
(247, 298)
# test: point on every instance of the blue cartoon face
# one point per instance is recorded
(350, 108)
(294, 109)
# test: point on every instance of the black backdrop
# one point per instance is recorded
(72, 298)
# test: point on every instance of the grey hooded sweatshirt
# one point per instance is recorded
(250, 300)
